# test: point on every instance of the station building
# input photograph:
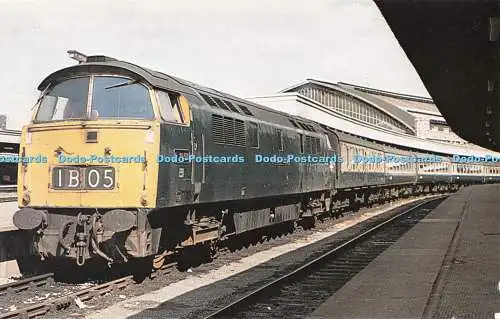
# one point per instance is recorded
(9, 139)
(9, 144)
(402, 114)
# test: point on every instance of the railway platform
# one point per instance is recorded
(447, 266)
(12, 243)
(7, 210)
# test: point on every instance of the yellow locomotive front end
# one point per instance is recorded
(89, 167)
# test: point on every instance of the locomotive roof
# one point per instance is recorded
(108, 65)
(104, 64)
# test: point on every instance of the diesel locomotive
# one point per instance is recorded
(106, 126)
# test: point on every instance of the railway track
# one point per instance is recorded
(59, 297)
(302, 290)
(27, 283)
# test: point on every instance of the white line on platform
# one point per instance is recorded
(497, 315)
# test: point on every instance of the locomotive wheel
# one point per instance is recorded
(213, 251)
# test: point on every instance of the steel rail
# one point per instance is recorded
(25, 284)
(67, 300)
(242, 300)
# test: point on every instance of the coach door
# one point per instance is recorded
(333, 140)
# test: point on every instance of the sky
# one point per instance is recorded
(246, 48)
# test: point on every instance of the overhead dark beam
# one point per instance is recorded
(454, 46)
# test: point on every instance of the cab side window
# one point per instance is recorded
(171, 108)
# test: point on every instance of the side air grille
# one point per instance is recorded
(217, 128)
(226, 130)
(239, 133)
(229, 130)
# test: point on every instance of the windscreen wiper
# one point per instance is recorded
(42, 95)
(121, 84)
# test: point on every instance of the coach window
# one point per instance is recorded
(253, 134)
(356, 164)
(173, 107)
(344, 152)
(353, 153)
(350, 164)
(366, 165)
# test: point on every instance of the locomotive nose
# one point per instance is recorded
(29, 218)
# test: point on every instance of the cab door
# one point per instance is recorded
(175, 175)
(334, 150)
(198, 142)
